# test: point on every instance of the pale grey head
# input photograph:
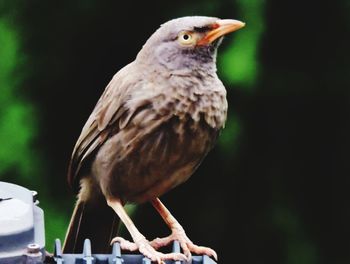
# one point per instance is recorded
(187, 43)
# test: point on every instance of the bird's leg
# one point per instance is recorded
(140, 242)
(178, 233)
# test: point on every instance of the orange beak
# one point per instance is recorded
(220, 28)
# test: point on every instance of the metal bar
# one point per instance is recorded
(58, 252)
(116, 257)
(116, 254)
(208, 260)
(87, 257)
(176, 249)
(146, 261)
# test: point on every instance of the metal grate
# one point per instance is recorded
(24, 243)
(116, 257)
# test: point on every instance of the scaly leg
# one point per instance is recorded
(140, 242)
(178, 233)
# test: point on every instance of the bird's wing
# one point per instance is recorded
(110, 114)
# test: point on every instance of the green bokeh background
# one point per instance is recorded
(274, 190)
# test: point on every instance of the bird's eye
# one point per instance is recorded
(186, 38)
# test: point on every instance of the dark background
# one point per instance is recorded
(274, 190)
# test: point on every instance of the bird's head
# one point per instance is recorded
(187, 43)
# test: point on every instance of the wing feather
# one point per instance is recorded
(110, 114)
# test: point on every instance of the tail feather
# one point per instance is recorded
(96, 221)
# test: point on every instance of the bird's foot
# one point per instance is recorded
(147, 250)
(186, 244)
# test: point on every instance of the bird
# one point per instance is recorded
(151, 128)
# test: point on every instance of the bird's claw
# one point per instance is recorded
(125, 244)
(185, 243)
(146, 249)
(202, 250)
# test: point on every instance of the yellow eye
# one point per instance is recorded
(186, 38)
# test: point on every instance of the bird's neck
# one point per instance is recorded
(199, 62)
(197, 93)
(202, 97)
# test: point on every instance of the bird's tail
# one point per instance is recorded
(96, 221)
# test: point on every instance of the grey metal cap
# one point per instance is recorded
(21, 224)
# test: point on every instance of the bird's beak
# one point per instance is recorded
(219, 28)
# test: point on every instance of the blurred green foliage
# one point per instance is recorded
(229, 136)
(20, 160)
(17, 124)
(239, 63)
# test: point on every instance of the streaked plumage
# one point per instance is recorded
(156, 120)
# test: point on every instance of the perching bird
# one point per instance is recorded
(155, 122)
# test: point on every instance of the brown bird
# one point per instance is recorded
(155, 122)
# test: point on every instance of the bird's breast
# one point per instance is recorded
(138, 166)
(199, 98)
(164, 143)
